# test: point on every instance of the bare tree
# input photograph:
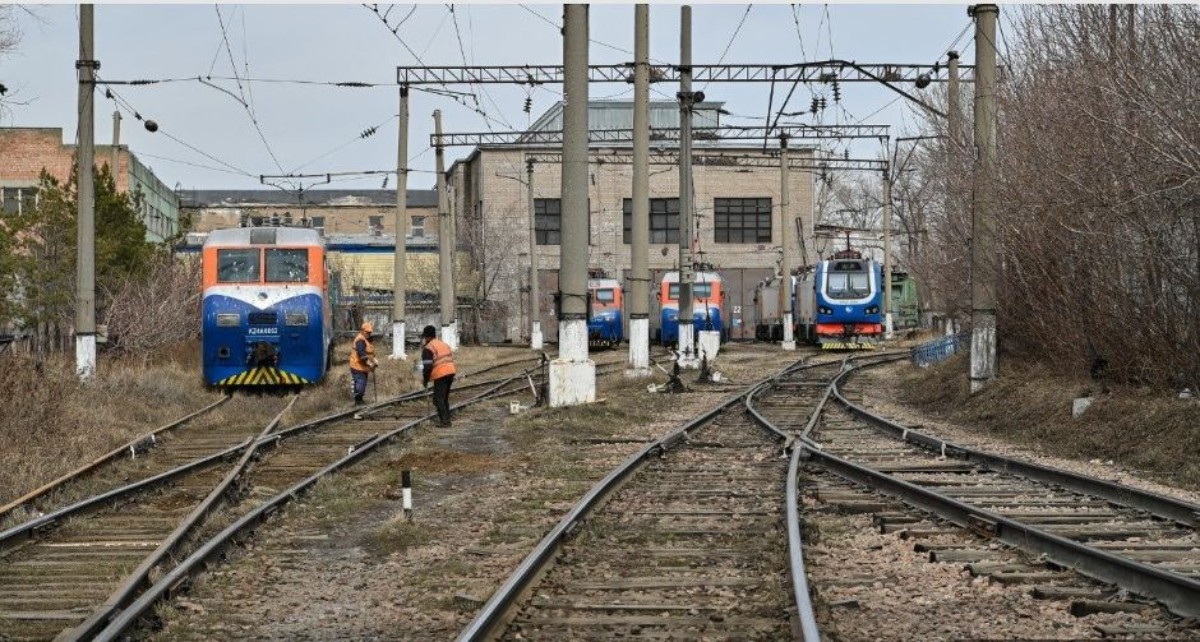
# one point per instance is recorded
(1099, 227)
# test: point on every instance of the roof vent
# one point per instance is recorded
(262, 236)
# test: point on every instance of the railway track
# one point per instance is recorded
(69, 581)
(686, 540)
(1054, 529)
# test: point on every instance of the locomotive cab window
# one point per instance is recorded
(699, 291)
(847, 285)
(287, 266)
(605, 296)
(237, 266)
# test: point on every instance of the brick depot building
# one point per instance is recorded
(737, 216)
(26, 151)
(332, 211)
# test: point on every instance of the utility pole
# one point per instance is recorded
(535, 301)
(399, 291)
(573, 374)
(85, 289)
(983, 221)
(639, 303)
(888, 322)
(687, 352)
(952, 108)
(115, 164)
(785, 263)
(445, 243)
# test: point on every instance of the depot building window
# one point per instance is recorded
(664, 220)
(742, 220)
(547, 220)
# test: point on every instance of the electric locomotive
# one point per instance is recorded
(839, 304)
(607, 318)
(708, 305)
(266, 318)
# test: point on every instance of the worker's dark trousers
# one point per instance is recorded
(441, 397)
(360, 383)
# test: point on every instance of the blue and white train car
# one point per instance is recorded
(839, 304)
(266, 318)
(708, 306)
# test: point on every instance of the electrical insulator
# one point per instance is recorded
(368, 132)
(385, 179)
(837, 93)
(815, 104)
(528, 104)
(822, 103)
(846, 154)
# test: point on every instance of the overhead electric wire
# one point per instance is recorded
(736, 31)
(121, 102)
(340, 147)
(242, 92)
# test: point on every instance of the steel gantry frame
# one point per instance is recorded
(725, 132)
(722, 159)
(818, 71)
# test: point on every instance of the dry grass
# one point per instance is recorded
(51, 423)
(1142, 429)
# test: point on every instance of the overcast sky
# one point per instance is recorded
(316, 128)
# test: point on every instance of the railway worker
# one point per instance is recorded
(362, 361)
(438, 364)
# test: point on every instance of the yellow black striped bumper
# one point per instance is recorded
(842, 345)
(263, 377)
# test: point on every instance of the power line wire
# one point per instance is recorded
(736, 31)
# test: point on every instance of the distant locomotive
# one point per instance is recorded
(768, 326)
(839, 304)
(607, 318)
(265, 315)
(904, 301)
(708, 306)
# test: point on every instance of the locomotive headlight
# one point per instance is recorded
(873, 310)
(296, 318)
(229, 320)
(825, 310)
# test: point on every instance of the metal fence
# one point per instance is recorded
(940, 349)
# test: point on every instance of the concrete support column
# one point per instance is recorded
(85, 234)
(399, 264)
(785, 265)
(638, 302)
(984, 255)
(535, 307)
(573, 374)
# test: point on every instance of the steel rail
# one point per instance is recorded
(1177, 510)
(1180, 594)
(800, 590)
(491, 616)
(148, 440)
(178, 575)
(43, 522)
(137, 578)
(26, 530)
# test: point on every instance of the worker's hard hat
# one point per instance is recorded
(367, 327)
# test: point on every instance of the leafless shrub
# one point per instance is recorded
(157, 310)
(1098, 192)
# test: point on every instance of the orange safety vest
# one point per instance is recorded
(355, 362)
(443, 359)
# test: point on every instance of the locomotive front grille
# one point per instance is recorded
(263, 318)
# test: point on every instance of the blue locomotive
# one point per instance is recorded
(265, 314)
(839, 304)
(607, 317)
(708, 306)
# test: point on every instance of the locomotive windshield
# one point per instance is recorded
(605, 296)
(847, 280)
(699, 291)
(287, 266)
(237, 266)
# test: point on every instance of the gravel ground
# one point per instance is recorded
(344, 564)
